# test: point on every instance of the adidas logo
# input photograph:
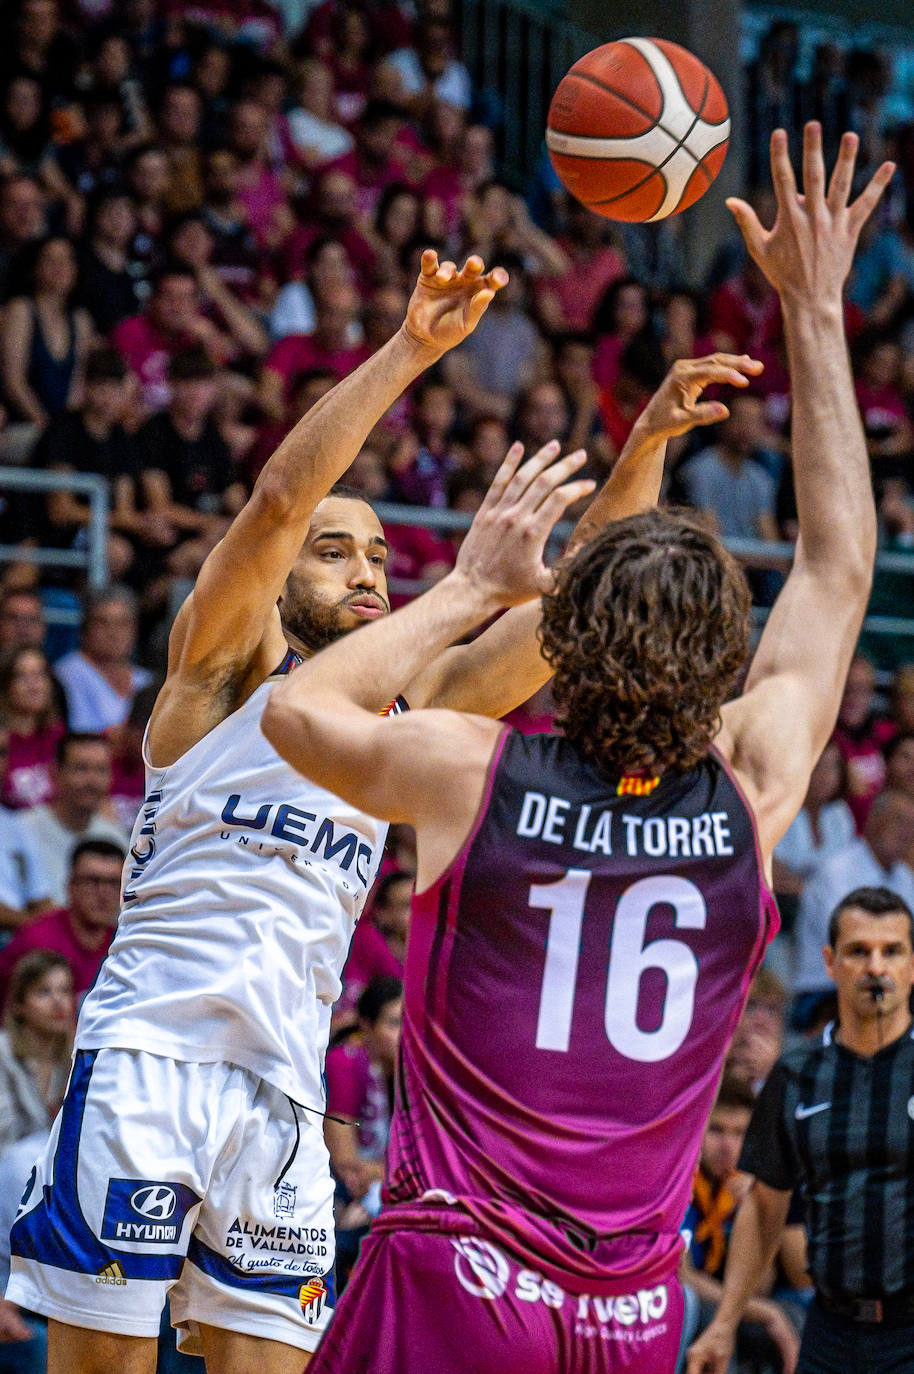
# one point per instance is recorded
(112, 1273)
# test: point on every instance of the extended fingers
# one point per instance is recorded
(813, 166)
(870, 196)
(842, 178)
(509, 465)
(785, 183)
(723, 367)
(749, 224)
(540, 485)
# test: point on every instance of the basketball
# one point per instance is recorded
(638, 129)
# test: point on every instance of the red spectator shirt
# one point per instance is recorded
(301, 352)
(54, 932)
(30, 776)
(147, 353)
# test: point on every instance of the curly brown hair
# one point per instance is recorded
(646, 629)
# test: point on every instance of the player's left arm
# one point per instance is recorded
(504, 666)
(321, 718)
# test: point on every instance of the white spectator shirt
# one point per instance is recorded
(54, 844)
(92, 703)
(21, 880)
(800, 852)
(453, 86)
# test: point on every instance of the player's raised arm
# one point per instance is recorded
(323, 719)
(235, 595)
(504, 666)
(777, 729)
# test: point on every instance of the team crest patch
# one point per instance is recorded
(311, 1295)
(635, 785)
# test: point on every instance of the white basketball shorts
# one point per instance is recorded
(199, 1181)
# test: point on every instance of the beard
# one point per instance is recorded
(315, 623)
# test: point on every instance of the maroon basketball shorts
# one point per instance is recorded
(421, 1301)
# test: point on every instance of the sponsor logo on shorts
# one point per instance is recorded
(480, 1268)
(311, 1295)
(112, 1273)
(147, 1210)
(632, 1318)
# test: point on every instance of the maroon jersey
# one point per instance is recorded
(572, 983)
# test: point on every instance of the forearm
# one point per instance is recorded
(753, 1242)
(632, 486)
(328, 438)
(830, 464)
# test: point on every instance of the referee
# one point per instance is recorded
(836, 1120)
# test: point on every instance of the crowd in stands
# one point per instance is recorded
(211, 213)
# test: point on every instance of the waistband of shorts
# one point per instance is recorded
(439, 1218)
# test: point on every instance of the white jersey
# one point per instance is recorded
(240, 898)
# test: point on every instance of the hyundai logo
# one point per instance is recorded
(154, 1201)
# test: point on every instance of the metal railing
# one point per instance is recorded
(755, 553)
(94, 558)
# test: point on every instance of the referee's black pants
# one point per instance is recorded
(836, 1345)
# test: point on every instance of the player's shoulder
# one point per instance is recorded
(802, 1059)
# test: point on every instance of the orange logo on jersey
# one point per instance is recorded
(632, 785)
(311, 1296)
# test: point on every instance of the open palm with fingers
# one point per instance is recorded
(447, 304)
(808, 253)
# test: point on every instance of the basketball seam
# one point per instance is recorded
(680, 143)
(610, 90)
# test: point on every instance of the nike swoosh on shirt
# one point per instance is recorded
(803, 1112)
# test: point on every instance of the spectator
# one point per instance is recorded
(423, 459)
(573, 367)
(360, 1086)
(331, 346)
(82, 931)
(23, 888)
(498, 224)
(824, 825)
(190, 243)
(759, 1035)
(22, 621)
(825, 1123)
(391, 910)
(902, 692)
(38, 47)
(78, 812)
(875, 859)
(187, 469)
(374, 162)
(640, 371)
(180, 113)
(128, 770)
(45, 337)
(568, 303)
(889, 433)
(259, 187)
(316, 135)
(89, 164)
(716, 1193)
(899, 768)
(621, 316)
(148, 178)
(860, 735)
(333, 214)
(329, 270)
(35, 1044)
(28, 707)
(741, 311)
(235, 255)
(427, 71)
(99, 678)
(370, 958)
(23, 220)
(727, 483)
(109, 281)
(171, 323)
(504, 354)
(25, 135)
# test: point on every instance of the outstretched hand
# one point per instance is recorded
(808, 253)
(447, 305)
(675, 407)
(504, 547)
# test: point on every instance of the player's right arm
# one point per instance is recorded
(775, 732)
(753, 1242)
(228, 630)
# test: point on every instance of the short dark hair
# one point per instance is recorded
(647, 629)
(347, 493)
(875, 901)
(172, 268)
(105, 365)
(191, 365)
(734, 1092)
(389, 880)
(104, 849)
(378, 994)
(75, 737)
(895, 744)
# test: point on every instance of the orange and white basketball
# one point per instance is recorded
(638, 129)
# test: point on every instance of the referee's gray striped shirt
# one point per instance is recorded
(840, 1127)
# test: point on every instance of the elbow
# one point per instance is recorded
(277, 722)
